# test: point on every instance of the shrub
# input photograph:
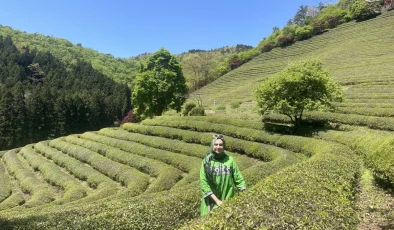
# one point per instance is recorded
(235, 104)
(197, 111)
(363, 10)
(303, 32)
(129, 118)
(187, 108)
(267, 48)
(285, 40)
(221, 107)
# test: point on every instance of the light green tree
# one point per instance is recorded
(300, 87)
(160, 85)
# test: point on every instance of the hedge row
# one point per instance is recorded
(377, 112)
(165, 175)
(5, 188)
(52, 173)
(16, 199)
(219, 120)
(133, 179)
(382, 123)
(163, 210)
(300, 144)
(40, 192)
(315, 194)
(257, 150)
(376, 147)
(104, 185)
(187, 164)
(365, 105)
(177, 146)
(257, 172)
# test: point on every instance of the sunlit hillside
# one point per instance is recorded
(146, 176)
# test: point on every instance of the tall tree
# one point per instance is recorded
(160, 86)
(299, 18)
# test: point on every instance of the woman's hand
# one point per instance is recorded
(219, 203)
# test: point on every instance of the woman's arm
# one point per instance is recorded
(217, 201)
(238, 178)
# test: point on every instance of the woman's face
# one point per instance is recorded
(218, 146)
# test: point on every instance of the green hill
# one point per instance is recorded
(145, 176)
(119, 69)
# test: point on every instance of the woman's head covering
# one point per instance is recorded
(213, 156)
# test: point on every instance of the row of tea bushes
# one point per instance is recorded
(126, 175)
(178, 146)
(376, 147)
(257, 150)
(220, 120)
(73, 190)
(40, 191)
(378, 112)
(165, 175)
(293, 143)
(5, 188)
(187, 164)
(315, 194)
(373, 122)
(103, 185)
(255, 173)
(162, 210)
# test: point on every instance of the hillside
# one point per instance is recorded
(119, 69)
(145, 176)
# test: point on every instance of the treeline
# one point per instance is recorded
(42, 98)
(308, 21)
(121, 70)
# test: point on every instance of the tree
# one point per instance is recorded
(299, 18)
(300, 87)
(160, 86)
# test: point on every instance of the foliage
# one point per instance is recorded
(161, 85)
(362, 10)
(129, 118)
(188, 107)
(302, 86)
(300, 16)
(332, 16)
(304, 32)
(121, 70)
(41, 99)
(197, 111)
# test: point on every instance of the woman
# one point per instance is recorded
(219, 176)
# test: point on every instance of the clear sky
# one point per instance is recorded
(128, 28)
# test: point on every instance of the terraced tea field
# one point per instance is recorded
(146, 176)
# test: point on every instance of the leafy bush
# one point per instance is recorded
(40, 191)
(197, 111)
(187, 108)
(363, 10)
(235, 104)
(221, 107)
(315, 194)
(303, 32)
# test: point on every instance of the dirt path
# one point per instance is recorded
(375, 204)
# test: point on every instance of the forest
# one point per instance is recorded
(41, 98)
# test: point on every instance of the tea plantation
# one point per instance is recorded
(146, 176)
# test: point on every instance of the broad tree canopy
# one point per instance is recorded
(160, 85)
(301, 86)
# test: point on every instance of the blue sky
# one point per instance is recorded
(128, 28)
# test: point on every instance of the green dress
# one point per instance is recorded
(223, 178)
